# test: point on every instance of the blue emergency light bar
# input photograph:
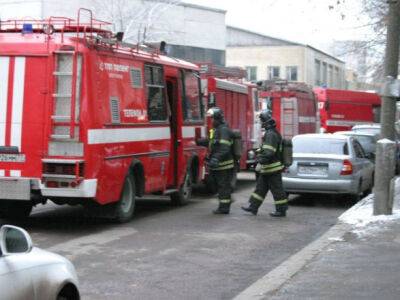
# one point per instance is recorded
(27, 28)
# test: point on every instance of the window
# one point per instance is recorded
(157, 108)
(273, 72)
(358, 150)
(251, 73)
(136, 77)
(320, 146)
(330, 75)
(291, 73)
(324, 74)
(317, 71)
(192, 105)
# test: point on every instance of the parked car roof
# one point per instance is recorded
(364, 133)
(321, 136)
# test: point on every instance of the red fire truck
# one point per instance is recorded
(86, 119)
(224, 87)
(342, 109)
(293, 106)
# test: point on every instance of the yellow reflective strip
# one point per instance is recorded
(223, 168)
(275, 164)
(226, 142)
(269, 147)
(284, 201)
(225, 200)
(258, 197)
(226, 162)
(272, 170)
(212, 131)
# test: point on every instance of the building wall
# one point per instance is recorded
(264, 56)
(302, 57)
(194, 32)
(336, 79)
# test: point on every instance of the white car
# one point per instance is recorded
(27, 272)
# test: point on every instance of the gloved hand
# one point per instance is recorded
(213, 163)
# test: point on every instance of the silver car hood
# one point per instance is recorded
(37, 257)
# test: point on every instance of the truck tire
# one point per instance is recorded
(182, 196)
(15, 209)
(125, 207)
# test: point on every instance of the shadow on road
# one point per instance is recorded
(321, 200)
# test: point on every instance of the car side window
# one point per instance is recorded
(358, 150)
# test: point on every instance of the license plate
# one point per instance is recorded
(15, 189)
(309, 170)
(12, 157)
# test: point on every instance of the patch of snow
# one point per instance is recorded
(386, 141)
(361, 217)
(336, 239)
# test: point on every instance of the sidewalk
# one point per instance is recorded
(362, 262)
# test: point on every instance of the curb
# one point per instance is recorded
(273, 280)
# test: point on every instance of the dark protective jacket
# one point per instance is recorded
(269, 154)
(220, 147)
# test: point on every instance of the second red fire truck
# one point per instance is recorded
(85, 119)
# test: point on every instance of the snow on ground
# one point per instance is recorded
(361, 217)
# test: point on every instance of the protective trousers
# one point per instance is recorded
(223, 180)
(266, 182)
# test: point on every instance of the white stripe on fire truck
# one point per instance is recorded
(124, 135)
(15, 173)
(4, 66)
(188, 132)
(2, 173)
(18, 101)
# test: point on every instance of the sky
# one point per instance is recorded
(313, 22)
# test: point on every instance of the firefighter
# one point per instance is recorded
(220, 161)
(270, 169)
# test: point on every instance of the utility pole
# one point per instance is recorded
(384, 171)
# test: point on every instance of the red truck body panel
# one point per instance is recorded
(75, 116)
(342, 109)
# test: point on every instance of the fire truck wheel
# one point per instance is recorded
(15, 210)
(125, 207)
(182, 196)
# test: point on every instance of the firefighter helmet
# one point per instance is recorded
(266, 119)
(216, 113)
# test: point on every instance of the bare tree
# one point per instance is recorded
(376, 12)
(140, 20)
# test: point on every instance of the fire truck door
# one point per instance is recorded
(289, 117)
(176, 133)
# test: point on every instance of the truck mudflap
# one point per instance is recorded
(86, 189)
(15, 189)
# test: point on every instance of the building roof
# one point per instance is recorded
(191, 5)
(266, 40)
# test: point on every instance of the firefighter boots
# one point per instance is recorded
(223, 209)
(252, 208)
(280, 212)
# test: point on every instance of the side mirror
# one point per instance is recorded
(14, 240)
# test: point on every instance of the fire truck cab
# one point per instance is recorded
(86, 119)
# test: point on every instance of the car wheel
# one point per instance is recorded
(357, 197)
(125, 207)
(182, 196)
(15, 209)
(68, 292)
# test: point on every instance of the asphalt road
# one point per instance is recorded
(185, 252)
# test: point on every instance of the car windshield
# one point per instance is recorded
(320, 146)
